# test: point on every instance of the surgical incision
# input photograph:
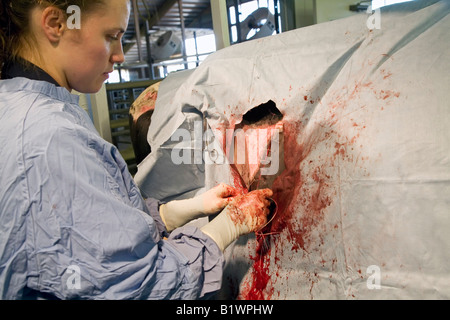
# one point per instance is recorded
(254, 150)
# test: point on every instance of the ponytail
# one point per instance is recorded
(14, 24)
(4, 32)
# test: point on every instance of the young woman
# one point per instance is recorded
(72, 221)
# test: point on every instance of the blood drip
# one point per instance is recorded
(285, 188)
(260, 274)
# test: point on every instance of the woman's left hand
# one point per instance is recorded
(217, 198)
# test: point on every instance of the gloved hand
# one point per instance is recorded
(244, 214)
(179, 212)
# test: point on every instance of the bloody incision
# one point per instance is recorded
(288, 186)
(285, 188)
(245, 176)
(312, 152)
(258, 126)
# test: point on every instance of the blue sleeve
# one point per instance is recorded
(153, 207)
(90, 235)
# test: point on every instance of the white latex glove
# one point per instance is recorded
(179, 212)
(245, 213)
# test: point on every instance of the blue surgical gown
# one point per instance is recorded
(73, 224)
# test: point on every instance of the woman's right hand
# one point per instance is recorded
(244, 214)
(250, 210)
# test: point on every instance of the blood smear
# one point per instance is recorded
(300, 208)
(305, 189)
(286, 189)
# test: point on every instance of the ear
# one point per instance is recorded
(53, 23)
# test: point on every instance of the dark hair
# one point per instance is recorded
(15, 18)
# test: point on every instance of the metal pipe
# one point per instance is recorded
(238, 22)
(183, 31)
(137, 29)
(196, 47)
(149, 51)
(277, 15)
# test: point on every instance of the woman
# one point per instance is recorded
(72, 222)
